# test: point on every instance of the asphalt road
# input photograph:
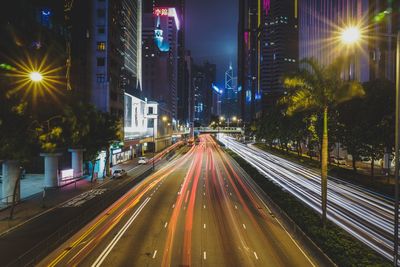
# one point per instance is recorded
(33, 240)
(198, 210)
(366, 215)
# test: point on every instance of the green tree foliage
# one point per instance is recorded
(15, 137)
(88, 128)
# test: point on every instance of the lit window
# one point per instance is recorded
(101, 46)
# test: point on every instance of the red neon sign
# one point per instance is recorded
(160, 11)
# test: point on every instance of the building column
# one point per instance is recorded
(77, 161)
(11, 172)
(50, 169)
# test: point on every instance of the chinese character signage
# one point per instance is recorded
(160, 11)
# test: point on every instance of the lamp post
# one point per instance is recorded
(396, 175)
(350, 36)
(35, 76)
(154, 145)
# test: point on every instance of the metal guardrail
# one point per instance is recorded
(46, 246)
(219, 130)
(6, 202)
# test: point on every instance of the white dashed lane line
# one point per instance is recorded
(255, 255)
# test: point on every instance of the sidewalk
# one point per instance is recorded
(34, 205)
(31, 207)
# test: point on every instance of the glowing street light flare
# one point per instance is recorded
(351, 35)
(35, 76)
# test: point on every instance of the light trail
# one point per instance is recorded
(102, 224)
(366, 215)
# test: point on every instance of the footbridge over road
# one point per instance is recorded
(232, 130)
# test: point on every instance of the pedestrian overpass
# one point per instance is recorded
(230, 130)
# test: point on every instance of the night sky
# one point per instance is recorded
(212, 33)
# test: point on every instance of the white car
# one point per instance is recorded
(119, 173)
(339, 161)
(142, 160)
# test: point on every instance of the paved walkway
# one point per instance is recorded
(30, 185)
(33, 204)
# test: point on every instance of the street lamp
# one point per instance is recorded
(35, 76)
(352, 35)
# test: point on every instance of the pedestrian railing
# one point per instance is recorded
(46, 246)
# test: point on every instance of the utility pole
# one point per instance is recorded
(396, 175)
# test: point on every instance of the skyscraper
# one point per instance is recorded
(132, 42)
(229, 106)
(386, 20)
(204, 77)
(251, 13)
(160, 57)
(107, 61)
(182, 88)
(279, 47)
(319, 28)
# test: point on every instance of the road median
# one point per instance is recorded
(337, 244)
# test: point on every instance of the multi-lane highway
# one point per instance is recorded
(198, 210)
(364, 214)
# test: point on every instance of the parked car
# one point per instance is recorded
(118, 173)
(142, 160)
(339, 161)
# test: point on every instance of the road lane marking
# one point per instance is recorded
(244, 226)
(121, 232)
(204, 255)
(165, 225)
(255, 255)
(154, 254)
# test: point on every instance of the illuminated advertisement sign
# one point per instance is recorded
(160, 11)
(167, 11)
(67, 174)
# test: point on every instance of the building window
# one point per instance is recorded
(100, 78)
(151, 110)
(101, 13)
(150, 123)
(101, 61)
(101, 30)
(101, 46)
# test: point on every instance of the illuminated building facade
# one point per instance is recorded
(386, 21)
(131, 77)
(205, 100)
(229, 106)
(319, 23)
(160, 57)
(279, 47)
(251, 14)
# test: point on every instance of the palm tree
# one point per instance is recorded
(320, 88)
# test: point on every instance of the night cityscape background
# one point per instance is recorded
(199, 133)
